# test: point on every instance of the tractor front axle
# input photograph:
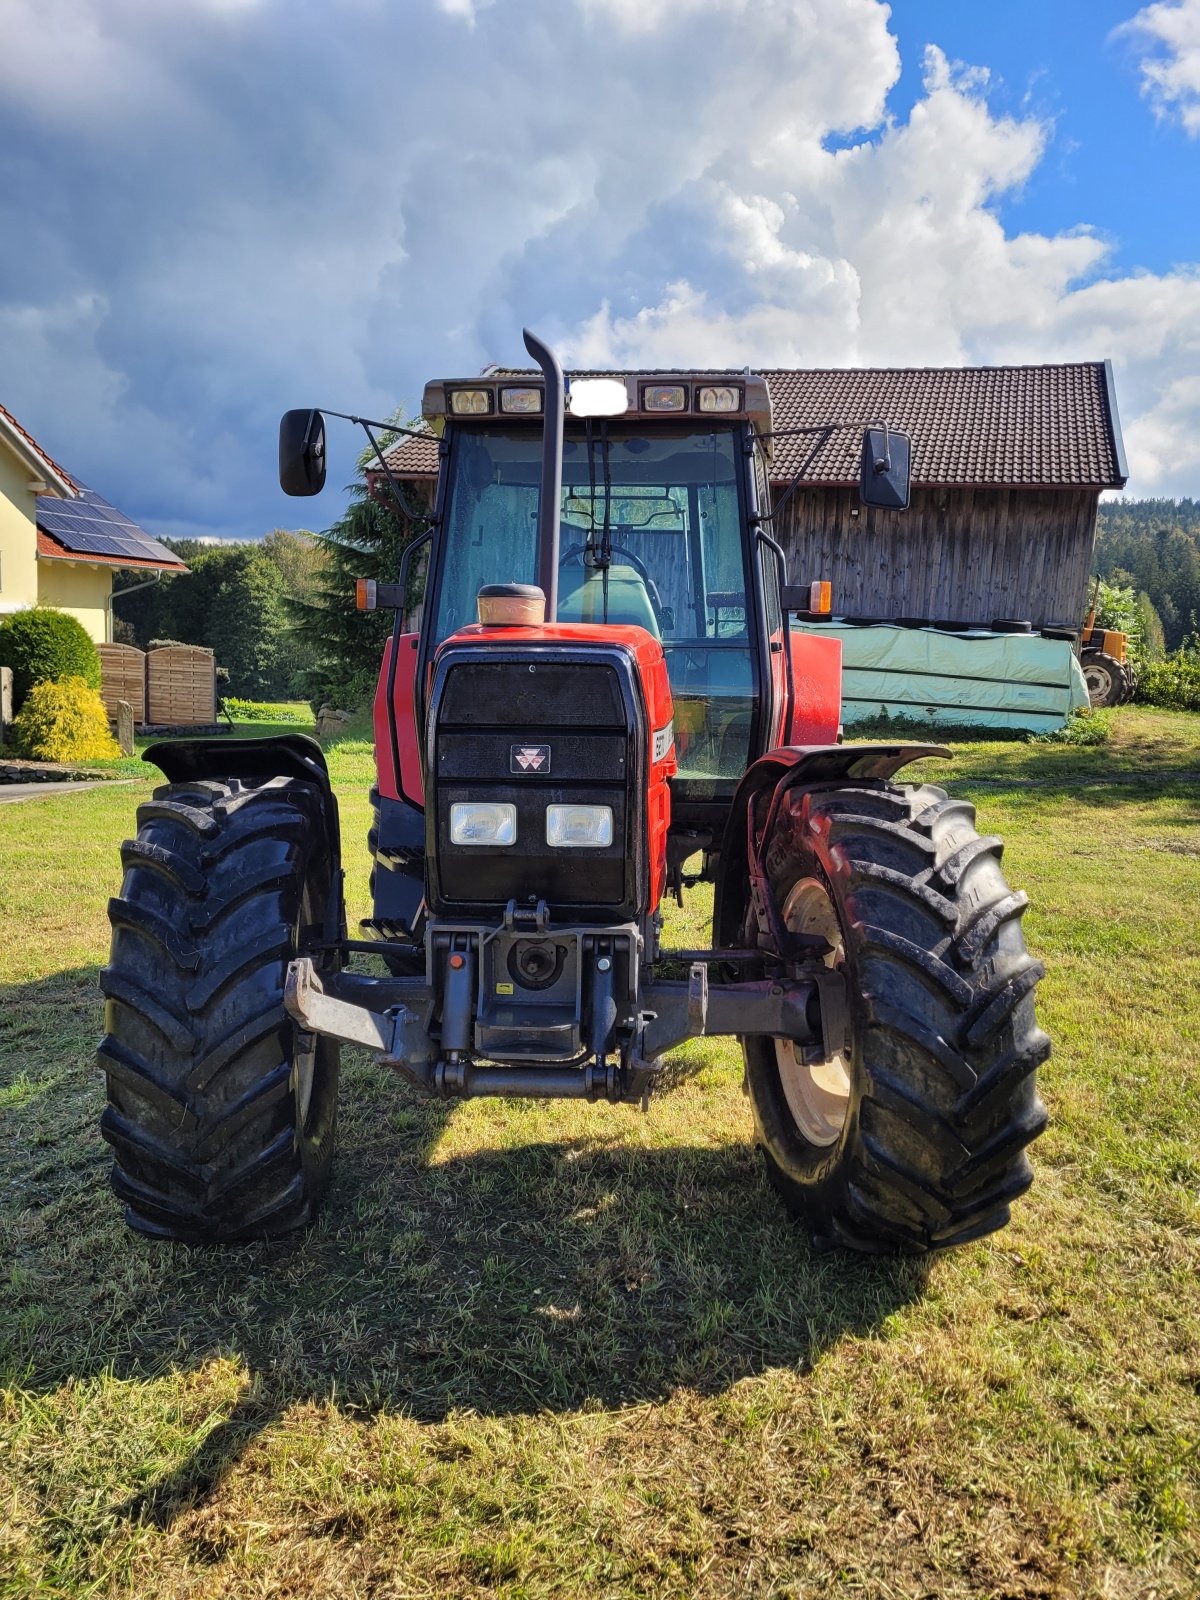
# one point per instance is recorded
(431, 1032)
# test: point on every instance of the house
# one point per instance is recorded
(1008, 467)
(61, 542)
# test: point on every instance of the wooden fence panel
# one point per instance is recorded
(123, 677)
(181, 686)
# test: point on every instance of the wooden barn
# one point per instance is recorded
(1008, 467)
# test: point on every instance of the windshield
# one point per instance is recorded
(651, 534)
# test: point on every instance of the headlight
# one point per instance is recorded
(520, 400)
(476, 823)
(470, 402)
(574, 827)
(722, 397)
(664, 397)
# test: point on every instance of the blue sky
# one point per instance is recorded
(213, 210)
(1112, 164)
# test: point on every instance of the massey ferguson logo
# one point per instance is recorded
(529, 758)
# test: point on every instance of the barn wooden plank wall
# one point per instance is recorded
(181, 686)
(964, 555)
(123, 677)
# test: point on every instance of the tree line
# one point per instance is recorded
(1153, 547)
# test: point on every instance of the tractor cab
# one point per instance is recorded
(657, 512)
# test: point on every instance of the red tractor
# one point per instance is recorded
(605, 705)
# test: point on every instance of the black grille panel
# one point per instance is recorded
(586, 758)
(539, 693)
(583, 706)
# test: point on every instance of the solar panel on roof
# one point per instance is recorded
(89, 525)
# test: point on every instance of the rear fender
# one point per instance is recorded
(789, 767)
(291, 755)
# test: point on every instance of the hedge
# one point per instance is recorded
(45, 646)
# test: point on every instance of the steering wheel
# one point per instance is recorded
(576, 553)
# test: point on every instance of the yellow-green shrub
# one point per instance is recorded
(64, 722)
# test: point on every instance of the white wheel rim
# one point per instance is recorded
(1099, 682)
(304, 1062)
(304, 1068)
(817, 1093)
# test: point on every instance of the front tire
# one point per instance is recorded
(1108, 681)
(912, 1137)
(221, 1115)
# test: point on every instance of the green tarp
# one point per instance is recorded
(975, 678)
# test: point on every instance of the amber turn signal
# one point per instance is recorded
(820, 597)
(364, 594)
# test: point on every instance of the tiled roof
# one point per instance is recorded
(413, 458)
(1047, 426)
(35, 447)
(53, 551)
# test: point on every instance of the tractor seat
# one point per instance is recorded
(581, 598)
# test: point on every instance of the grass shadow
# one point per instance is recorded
(543, 1276)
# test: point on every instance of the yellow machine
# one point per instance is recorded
(1104, 657)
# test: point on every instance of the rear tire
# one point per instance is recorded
(1108, 680)
(937, 1079)
(220, 1113)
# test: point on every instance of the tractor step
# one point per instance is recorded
(390, 929)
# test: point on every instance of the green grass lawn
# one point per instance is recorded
(538, 1349)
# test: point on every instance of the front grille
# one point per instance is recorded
(542, 692)
(537, 726)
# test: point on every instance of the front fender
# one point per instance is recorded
(789, 766)
(288, 755)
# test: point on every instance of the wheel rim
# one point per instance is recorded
(1099, 684)
(304, 1045)
(304, 1071)
(817, 1093)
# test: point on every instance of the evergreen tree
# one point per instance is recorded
(245, 624)
(1154, 546)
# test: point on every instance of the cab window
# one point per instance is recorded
(669, 505)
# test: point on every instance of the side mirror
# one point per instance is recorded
(886, 466)
(302, 452)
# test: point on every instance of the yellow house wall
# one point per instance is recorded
(18, 534)
(82, 590)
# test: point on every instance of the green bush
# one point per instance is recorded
(1081, 728)
(45, 646)
(1173, 682)
(64, 722)
(344, 689)
(263, 710)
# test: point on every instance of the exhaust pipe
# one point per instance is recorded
(552, 454)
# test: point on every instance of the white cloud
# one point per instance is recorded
(1170, 32)
(227, 207)
(890, 252)
(461, 8)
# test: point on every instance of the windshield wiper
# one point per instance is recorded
(599, 557)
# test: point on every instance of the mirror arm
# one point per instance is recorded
(824, 431)
(366, 424)
(388, 427)
(808, 427)
(883, 463)
(405, 511)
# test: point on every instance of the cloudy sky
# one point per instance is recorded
(215, 209)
